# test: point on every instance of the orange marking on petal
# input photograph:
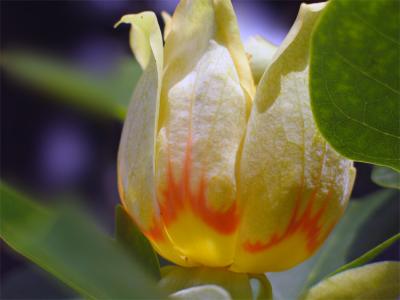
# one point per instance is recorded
(306, 223)
(179, 196)
(225, 222)
(155, 232)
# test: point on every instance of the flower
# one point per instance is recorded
(215, 170)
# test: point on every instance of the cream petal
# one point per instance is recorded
(260, 53)
(145, 38)
(227, 34)
(293, 186)
(205, 99)
(197, 150)
(193, 25)
(136, 159)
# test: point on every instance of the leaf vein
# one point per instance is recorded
(366, 74)
(352, 118)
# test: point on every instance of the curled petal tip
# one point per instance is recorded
(124, 19)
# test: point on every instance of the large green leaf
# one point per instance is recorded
(108, 95)
(366, 223)
(130, 237)
(68, 245)
(368, 256)
(374, 281)
(386, 177)
(355, 79)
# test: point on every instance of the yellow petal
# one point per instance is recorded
(260, 53)
(197, 148)
(136, 162)
(194, 24)
(202, 120)
(293, 186)
(373, 281)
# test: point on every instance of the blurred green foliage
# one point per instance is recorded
(108, 95)
(368, 256)
(67, 244)
(386, 177)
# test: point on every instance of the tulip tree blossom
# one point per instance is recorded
(215, 169)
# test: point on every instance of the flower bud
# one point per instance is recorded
(216, 171)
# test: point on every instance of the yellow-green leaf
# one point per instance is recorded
(374, 281)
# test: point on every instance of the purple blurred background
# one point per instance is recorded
(53, 151)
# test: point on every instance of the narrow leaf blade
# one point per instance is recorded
(70, 247)
(386, 177)
(108, 96)
(368, 256)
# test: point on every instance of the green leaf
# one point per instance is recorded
(66, 244)
(368, 256)
(175, 278)
(386, 177)
(355, 79)
(109, 95)
(131, 238)
(374, 281)
(355, 234)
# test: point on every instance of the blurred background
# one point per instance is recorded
(58, 53)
